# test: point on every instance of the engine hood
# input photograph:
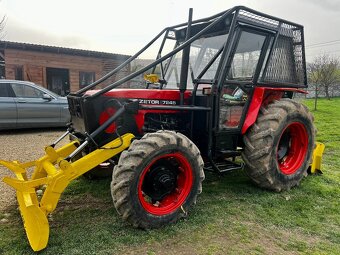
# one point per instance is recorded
(147, 96)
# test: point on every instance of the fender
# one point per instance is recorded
(262, 96)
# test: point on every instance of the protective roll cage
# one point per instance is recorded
(277, 31)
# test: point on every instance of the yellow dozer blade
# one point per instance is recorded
(39, 195)
(315, 167)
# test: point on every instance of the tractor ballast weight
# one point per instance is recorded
(224, 90)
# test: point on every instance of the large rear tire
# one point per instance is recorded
(157, 179)
(279, 146)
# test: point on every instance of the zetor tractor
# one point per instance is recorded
(220, 87)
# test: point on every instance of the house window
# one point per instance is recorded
(18, 73)
(86, 78)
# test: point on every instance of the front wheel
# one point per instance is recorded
(157, 179)
(279, 146)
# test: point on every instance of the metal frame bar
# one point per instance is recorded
(159, 54)
(126, 62)
(304, 55)
(185, 62)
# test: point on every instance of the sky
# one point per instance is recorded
(125, 26)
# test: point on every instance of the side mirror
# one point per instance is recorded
(47, 97)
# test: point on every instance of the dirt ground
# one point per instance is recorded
(23, 146)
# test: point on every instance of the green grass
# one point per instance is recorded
(232, 215)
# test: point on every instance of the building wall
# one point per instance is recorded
(34, 65)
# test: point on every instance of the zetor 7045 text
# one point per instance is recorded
(219, 88)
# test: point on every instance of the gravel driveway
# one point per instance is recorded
(22, 145)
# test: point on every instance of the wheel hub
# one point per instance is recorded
(165, 183)
(159, 182)
(283, 146)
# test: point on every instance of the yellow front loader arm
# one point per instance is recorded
(39, 195)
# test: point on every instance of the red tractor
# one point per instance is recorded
(220, 87)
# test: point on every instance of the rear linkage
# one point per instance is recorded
(38, 195)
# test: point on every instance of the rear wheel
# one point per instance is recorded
(157, 179)
(279, 146)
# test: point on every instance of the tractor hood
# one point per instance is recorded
(88, 113)
(147, 96)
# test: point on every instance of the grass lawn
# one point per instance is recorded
(232, 215)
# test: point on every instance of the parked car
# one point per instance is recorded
(27, 105)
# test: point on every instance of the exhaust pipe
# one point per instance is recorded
(185, 61)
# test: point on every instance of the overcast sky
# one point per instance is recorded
(125, 26)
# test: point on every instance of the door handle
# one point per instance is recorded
(22, 101)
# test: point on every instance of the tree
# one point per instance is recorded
(324, 73)
(2, 26)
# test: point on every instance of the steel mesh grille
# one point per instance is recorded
(248, 16)
(281, 64)
(286, 62)
(298, 56)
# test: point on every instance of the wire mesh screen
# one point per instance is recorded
(260, 20)
(281, 67)
(286, 63)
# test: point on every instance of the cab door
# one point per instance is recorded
(235, 90)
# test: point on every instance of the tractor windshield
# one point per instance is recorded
(205, 55)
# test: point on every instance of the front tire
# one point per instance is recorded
(157, 179)
(279, 146)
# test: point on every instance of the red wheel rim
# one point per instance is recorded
(292, 148)
(171, 202)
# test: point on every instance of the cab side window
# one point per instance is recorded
(246, 56)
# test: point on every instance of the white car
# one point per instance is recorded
(26, 105)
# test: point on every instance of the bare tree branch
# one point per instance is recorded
(324, 72)
(2, 27)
